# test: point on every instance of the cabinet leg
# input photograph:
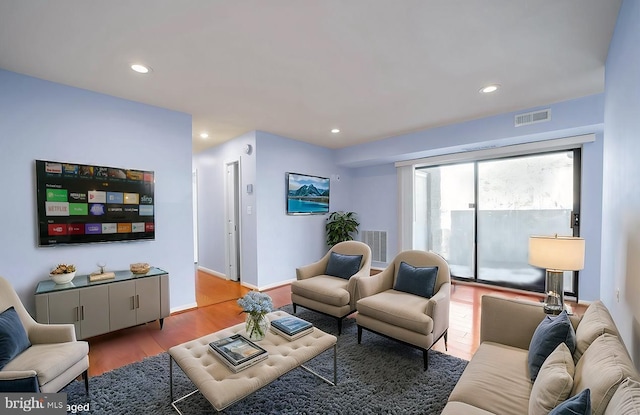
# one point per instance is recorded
(161, 323)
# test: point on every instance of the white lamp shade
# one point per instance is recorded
(562, 253)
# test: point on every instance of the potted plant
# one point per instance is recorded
(341, 226)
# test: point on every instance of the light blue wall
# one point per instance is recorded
(621, 178)
(374, 195)
(374, 186)
(286, 242)
(44, 120)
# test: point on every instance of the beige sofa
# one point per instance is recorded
(497, 381)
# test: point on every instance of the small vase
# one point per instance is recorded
(257, 326)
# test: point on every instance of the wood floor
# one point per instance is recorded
(218, 309)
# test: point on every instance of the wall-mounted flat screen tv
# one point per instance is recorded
(79, 203)
(307, 195)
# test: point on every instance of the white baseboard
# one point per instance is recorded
(269, 286)
(212, 272)
(183, 308)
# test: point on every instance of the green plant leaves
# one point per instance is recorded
(341, 226)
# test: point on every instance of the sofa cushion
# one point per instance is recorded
(323, 288)
(495, 380)
(398, 309)
(343, 266)
(602, 367)
(554, 382)
(595, 322)
(460, 408)
(416, 280)
(50, 360)
(626, 400)
(579, 404)
(13, 338)
(548, 335)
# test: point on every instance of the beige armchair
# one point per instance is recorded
(409, 318)
(332, 295)
(54, 358)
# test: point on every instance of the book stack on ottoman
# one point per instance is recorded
(291, 327)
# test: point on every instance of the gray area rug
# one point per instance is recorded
(379, 376)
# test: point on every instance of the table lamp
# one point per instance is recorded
(556, 254)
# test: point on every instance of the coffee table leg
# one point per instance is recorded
(335, 369)
(335, 365)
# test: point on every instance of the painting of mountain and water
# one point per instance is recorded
(307, 194)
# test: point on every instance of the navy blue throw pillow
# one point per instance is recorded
(416, 280)
(577, 405)
(548, 335)
(343, 266)
(13, 338)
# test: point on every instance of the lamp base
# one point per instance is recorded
(553, 309)
(554, 287)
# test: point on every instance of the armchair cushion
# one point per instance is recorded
(325, 289)
(13, 338)
(416, 280)
(398, 309)
(50, 360)
(343, 266)
(548, 335)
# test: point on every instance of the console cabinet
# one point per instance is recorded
(102, 306)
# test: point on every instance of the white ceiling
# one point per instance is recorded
(297, 68)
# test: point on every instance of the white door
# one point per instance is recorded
(232, 222)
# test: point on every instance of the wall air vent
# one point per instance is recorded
(377, 241)
(533, 117)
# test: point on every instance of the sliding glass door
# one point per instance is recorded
(479, 215)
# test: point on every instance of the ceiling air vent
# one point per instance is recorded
(533, 117)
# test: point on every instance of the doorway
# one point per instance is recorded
(232, 220)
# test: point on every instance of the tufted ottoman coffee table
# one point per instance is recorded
(221, 387)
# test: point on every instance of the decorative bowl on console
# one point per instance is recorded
(140, 268)
(63, 273)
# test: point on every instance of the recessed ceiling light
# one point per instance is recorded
(204, 135)
(489, 89)
(335, 130)
(140, 68)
